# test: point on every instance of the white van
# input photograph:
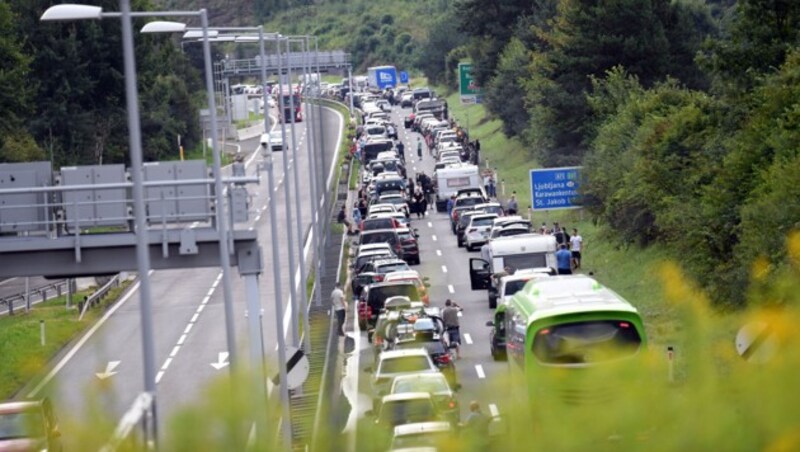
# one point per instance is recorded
(518, 252)
(453, 178)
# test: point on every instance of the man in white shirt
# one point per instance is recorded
(339, 307)
(576, 245)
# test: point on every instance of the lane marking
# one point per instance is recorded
(433, 237)
(188, 328)
(205, 300)
(444, 269)
(166, 364)
(468, 338)
(479, 370)
(174, 351)
(159, 375)
(450, 288)
(430, 225)
(210, 292)
(493, 410)
(438, 252)
(182, 339)
(194, 317)
(83, 340)
(201, 307)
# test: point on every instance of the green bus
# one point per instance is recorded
(563, 325)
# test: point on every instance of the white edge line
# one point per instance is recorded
(450, 288)
(468, 338)
(83, 341)
(479, 370)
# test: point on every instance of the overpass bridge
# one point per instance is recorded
(330, 61)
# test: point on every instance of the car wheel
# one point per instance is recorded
(470, 248)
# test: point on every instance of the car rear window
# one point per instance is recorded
(378, 295)
(483, 221)
(431, 385)
(407, 412)
(468, 201)
(405, 364)
(399, 266)
(378, 223)
(379, 237)
(586, 342)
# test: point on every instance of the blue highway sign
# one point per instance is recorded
(555, 188)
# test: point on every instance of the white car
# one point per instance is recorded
(477, 231)
(399, 362)
(273, 140)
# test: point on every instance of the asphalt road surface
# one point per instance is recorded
(105, 366)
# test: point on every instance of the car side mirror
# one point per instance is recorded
(490, 324)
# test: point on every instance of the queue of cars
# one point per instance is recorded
(414, 379)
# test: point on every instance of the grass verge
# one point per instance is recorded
(23, 356)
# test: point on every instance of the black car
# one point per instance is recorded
(463, 222)
(497, 337)
(408, 239)
(373, 297)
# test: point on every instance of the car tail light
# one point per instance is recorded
(451, 404)
(443, 359)
(379, 278)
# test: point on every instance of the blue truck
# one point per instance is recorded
(382, 77)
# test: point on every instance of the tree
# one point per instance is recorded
(503, 94)
(16, 84)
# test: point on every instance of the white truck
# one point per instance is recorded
(452, 178)
(518, 252)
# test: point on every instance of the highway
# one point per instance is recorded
(447, 266)
(105, 366)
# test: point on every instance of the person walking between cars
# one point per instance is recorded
(476, 428)
(452, 325)
(401, 148)
(339, 307)
(419, 148)
(513, 205)
(564, 260)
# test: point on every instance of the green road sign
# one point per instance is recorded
(470, 92)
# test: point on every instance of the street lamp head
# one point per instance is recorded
(161, 26)
(69, 11)
(198, 34)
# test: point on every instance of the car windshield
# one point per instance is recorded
(468, 201)
(433, 384)
(361, 260)
(530, 260)
(23, 424)
(586, 342)
(404, 364)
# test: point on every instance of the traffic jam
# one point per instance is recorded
(416, 359)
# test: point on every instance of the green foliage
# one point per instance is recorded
(73, 103)
(15, 84)
(502, 92)
(19, 146)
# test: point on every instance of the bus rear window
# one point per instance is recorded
(586, 342)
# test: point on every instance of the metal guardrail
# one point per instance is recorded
(252, 66)
(98, 296)
(55, 288)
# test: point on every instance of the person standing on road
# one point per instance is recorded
(513, 205)
(452, 324)
(564, 260)
(577, 245)
(401, 148)
(339, 307)
(476, 428)
(419, 148)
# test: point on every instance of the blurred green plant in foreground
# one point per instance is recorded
(714, 399)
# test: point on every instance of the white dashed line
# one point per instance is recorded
(159, 375)
(166, 364)
(174, 351)
(438, 252)
(194, 317)
(258, 217)
(493, 410)
(201, 307)
(434, 237)
(450, 288)
(415, 168)
(479, 370)
(182, 339)
(444, 269)
(188, 328)
(468, 338)
(430, 225)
